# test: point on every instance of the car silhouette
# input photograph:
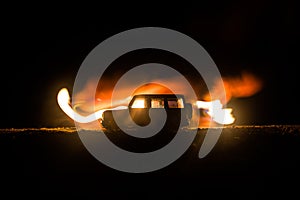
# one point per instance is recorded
(140, 106)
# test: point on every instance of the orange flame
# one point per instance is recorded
(63, 99)
(216, 111)
(245, 85)
(235, 87)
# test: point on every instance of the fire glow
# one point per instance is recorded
(216, 111)
(213, 109)
(242, 86)
(63, 99)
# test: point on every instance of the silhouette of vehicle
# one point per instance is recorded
(140, 106)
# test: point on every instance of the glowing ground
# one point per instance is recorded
(247, 161)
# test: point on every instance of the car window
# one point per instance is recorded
(157, 103)
(175, 103)
(139, 103)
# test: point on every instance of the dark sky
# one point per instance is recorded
(43, 48)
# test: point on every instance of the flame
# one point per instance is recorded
(83, 103)
(244, 85)
(216, 111)
(63, 99)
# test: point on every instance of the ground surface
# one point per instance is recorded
(247, 162)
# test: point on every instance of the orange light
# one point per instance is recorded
(63, 100)
(138, 103)
(91, 109)
(216, 111)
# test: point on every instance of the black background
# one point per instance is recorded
(43, 46)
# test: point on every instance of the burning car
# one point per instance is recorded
(140, 106)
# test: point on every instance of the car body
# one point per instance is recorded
(140, 106)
